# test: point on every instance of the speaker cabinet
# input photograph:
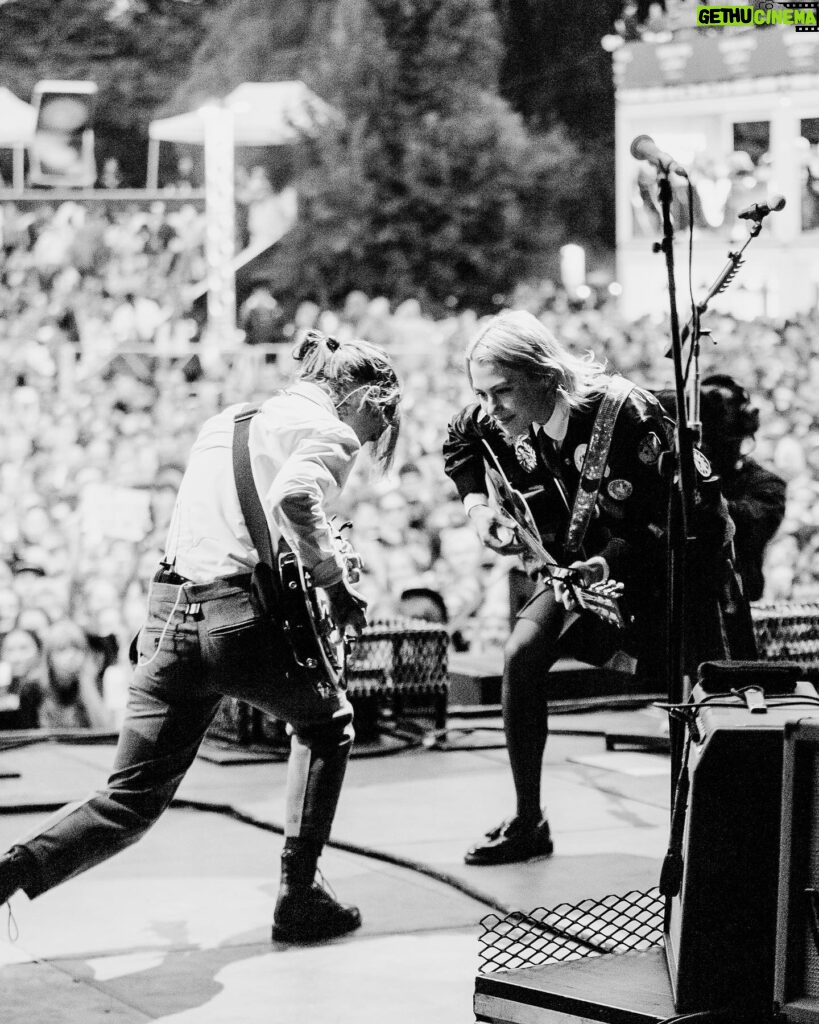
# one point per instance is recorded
(797, 934)
(720, 931)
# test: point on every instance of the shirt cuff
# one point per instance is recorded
(604, 565)
(473, 501)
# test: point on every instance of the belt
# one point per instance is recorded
(197, 592)
(173, 578)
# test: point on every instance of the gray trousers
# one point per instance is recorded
(200, 642)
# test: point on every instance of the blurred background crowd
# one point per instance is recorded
(106, 376)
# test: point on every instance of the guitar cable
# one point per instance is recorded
(166, 627)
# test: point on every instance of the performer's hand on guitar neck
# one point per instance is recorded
(348, 606)
(495, 529)
(353, 566)
(584, 574)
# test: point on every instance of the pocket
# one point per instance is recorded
(229, 615)
(229, 628)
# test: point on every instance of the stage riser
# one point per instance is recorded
(627, 988)
(507, 1011)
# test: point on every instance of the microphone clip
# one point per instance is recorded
(758, 211)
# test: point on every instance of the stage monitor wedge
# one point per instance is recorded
(62, 150)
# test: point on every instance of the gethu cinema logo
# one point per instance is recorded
(745, 15)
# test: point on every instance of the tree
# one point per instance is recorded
(555, 73)
(431, 187)
(554, 68)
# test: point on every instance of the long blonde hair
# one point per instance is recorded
(516, 340)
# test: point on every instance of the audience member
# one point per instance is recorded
(260, 317)
(70, 698)
(21, 667)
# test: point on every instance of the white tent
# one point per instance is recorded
(264, 114)
(18, 120)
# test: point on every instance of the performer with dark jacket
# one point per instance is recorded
(755, 495)
(206, 634)
(586, 449)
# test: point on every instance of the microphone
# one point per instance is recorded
(645, 148)
(756, 211)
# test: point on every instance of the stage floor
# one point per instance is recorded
(177, 928)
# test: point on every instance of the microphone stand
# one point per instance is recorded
(681, 497)
(681, 503)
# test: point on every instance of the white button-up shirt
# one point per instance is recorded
(301, 454)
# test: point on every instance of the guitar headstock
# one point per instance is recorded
(603, 600)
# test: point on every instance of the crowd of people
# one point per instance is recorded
(104, 382)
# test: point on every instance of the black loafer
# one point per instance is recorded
(512, 842)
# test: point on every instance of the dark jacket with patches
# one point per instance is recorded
(628, 527)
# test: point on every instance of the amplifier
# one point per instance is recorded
(720, 930)
(796, 980)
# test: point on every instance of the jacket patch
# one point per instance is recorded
(579, 456)
(525, 454)
(649, 449)
(620, 489)
(703, 466)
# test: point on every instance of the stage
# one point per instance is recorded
(177, 927)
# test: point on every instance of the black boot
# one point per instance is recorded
(305, 911)
(17, 868)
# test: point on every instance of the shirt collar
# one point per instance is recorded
(558, 423)
(313, 393)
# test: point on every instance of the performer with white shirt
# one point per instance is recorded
(205, 637)
(585, 449)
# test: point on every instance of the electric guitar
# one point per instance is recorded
(318, 646)
(601, 599)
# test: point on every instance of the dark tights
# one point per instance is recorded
(538, 639)
(530, 652)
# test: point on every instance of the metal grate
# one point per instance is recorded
(399, 654)
(403, 661)
(615, 924)
(788, 631)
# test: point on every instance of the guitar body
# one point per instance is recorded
(319, 650)
(601, 599)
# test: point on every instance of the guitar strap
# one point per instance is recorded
(594, 463)
(249, 500)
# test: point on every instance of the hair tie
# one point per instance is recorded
(332, 343)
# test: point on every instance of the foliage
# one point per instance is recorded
(555, 69)
(431, 187)
(556, 74)
(247, 41)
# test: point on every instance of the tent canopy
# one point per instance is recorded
(17, 120)
(264, 114)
